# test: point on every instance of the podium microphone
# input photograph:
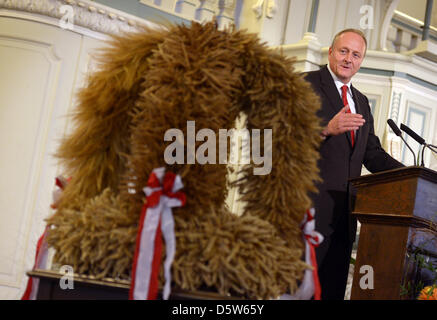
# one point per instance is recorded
(418, 138)
(412, 134)
(398, 132)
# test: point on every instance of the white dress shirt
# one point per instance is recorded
(340, 84)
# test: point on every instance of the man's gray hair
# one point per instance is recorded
(357, 31)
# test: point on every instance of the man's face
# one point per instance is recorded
(346, 55)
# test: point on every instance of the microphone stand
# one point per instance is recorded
(423, 150)
(430, 147)
(414, 155)
(419, 139)
(398, 132)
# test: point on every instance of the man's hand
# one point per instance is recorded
(343, 122)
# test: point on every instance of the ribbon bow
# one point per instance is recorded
(171, 184)
(310, 284)
(162, 192)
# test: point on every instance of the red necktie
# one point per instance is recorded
(344, 96)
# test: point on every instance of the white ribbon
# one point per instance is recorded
(164, 212)
(42, 250)
(40, 263)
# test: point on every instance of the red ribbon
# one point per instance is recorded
(153, 288)
(60, 182)
(30, 286)
(152, 201)
(314, 241)
(166, 190)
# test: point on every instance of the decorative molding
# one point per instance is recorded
(395, 147)
(226, 8)
(257, 8)
(393, 141)
(422, 111)
(225, 12)
(413, 23)
(425, 49)
(87, 14)
(271, 8)
(34, 191)
(198, 10)
(372, 102)
(307, 52)
(395, 106)
(389, 10)
(412, 108)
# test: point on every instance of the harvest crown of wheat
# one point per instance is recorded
(154, 80)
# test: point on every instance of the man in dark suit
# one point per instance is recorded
(349, 143)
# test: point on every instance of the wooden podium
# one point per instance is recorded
(397, 210)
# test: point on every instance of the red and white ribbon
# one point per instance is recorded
(61, 183)
(162, 193)
(40, 263)
(310, 284)
(42, 250)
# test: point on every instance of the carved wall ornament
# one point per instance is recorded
(389, 9)
(87, 14)
(395, 106)
(271, 8)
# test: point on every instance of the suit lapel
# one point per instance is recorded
(329, 88)
(331, 91)
(359, 109)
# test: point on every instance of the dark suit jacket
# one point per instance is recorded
(340, 162)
